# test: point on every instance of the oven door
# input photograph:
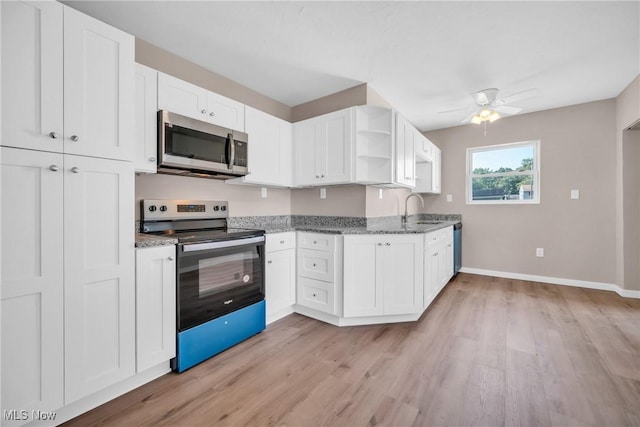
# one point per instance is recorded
(216, 278)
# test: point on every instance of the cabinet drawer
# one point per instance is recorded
(318, 242)
(439, 236)
(316, 294)
(315, 264)
(280, 241)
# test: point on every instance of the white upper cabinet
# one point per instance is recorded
(428, 172)
(82, 70)
(146, 119)
(436, 170)
(405, 152)
(32, 280)
(270, 150)
(178, 96)
(98, 88)
(32, 75)
(323, 148)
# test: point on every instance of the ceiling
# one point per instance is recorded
(422, 57)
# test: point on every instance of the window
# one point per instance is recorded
(506, 173)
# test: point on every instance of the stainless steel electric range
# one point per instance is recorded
(219, 276)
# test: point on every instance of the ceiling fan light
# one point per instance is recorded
(476, 120)
(494, 116)
(484, 114)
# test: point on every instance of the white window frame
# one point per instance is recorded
(535, 172)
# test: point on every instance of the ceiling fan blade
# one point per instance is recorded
(507, 109)
(518, 96)
(455, 110)
(468, 118)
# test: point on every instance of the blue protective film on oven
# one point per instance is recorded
(201, 342)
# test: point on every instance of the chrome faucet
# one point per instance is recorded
(404, 218)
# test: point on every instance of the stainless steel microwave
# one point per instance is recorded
(192, 147)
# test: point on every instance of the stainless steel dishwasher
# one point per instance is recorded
(457, 247)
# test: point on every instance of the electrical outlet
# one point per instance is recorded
(380, 193)
(449, 198)
(264, 192)
(323, 193)
(575, 194)
(540, 252)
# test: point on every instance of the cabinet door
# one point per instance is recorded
(225, 112)
(99, 291)
(402, 274)
(334, 152)
(181, 97)
(431, 274)
(304, 146)
(405, 152)
(436, 170)
(155, 306)
(269, 149)
(32, 292)
(99, 86)
(32, 75)
(363, 274)
(280, 281)
(146, 124)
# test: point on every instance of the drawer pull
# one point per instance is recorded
(314, 265)
(315, 243)
(282, 242)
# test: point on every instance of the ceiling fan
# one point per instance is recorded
(489, 108)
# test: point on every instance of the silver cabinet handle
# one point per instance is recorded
(75, 169)
(270, 262)
(170, 258)
(204, 111)
(152, 159)
(75, 138)
(53, 135)
(54, 168)
(212, 114)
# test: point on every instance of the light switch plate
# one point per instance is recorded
(449, 198)
(575, 194)
(264, 192)
(323, 193)
(380, 193)
(540, 252)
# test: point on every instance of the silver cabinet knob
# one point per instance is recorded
(170, 258)
(152, 159)
(321, 176)
(317, 176)
(282, 242)
(204, 111)
(269, 262)
(212, 114)
(75, 138)
(75, 169)
(436, 254)
(53, 135)
(387, 244)
(54, 168)
(315, 243)
(379, 244)
(314, 265)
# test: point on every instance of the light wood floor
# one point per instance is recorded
(489, 352)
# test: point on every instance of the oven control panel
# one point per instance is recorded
(158, 210)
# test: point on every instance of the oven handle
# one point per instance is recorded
(218, 245)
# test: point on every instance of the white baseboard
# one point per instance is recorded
(555, 281)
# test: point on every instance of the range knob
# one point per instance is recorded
(152, 208)
(216, 208)
(163, 208)
(223, 208)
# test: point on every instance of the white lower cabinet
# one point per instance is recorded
(383, 275)
(32, 280)
(68, 319)
(438, 262)
(319, 272)
(155, 306)
(99, 274)
(280, 275)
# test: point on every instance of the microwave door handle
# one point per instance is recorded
(232, 145)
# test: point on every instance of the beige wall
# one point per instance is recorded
(243, 200)
(356, 95)
(342, 200)
(578, 236)
(392, 202)
(176, 66)
(627, 187)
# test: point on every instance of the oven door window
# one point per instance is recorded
(215, 282)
